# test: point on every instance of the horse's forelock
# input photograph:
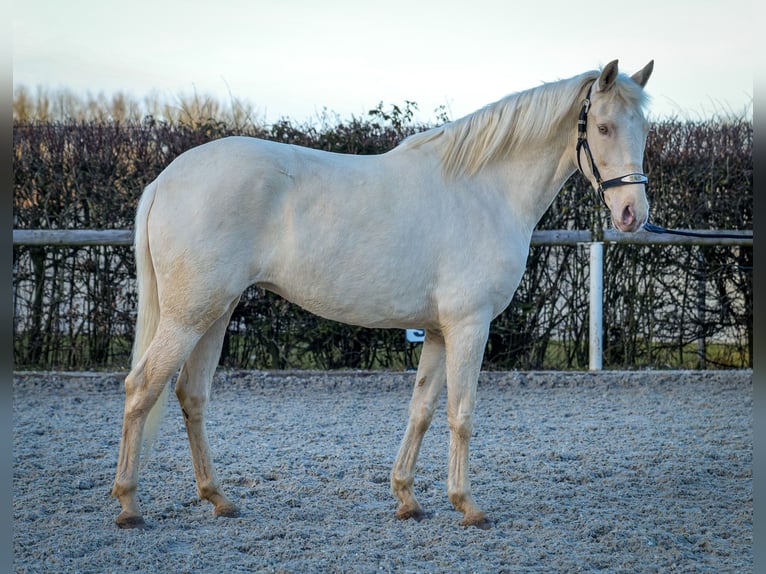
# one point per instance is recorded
(629, 92)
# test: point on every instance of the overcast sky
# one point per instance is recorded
(293, 58)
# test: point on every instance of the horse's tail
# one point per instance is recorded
(148, 305)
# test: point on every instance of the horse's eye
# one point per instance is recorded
(603, 130)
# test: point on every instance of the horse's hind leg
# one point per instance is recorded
(143, 387)
(193, 392)
(428, 385)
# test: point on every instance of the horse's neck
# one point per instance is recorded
(534, 177)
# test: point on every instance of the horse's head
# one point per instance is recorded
(611, 139)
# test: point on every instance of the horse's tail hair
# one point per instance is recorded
(148, 306)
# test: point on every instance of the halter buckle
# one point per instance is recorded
(630, 179)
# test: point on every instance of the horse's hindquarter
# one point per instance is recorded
(368, 240)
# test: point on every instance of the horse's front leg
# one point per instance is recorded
(465, 350)
(429, 382)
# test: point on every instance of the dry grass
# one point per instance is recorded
(48, 105)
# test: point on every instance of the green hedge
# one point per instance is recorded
(75, 307)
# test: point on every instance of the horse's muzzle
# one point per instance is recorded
(630, 215)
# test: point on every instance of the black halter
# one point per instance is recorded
(582, 143)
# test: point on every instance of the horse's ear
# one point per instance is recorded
(608, 76)
(642, 76)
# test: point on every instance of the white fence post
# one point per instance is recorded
(595, 347)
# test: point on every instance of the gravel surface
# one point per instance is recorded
(580, 472)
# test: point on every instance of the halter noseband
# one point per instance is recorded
(582, 143)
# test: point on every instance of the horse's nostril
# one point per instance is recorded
(628, 215)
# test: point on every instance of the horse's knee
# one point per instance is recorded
(421, 417)
(461, 426)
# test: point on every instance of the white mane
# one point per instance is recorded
(496, 130)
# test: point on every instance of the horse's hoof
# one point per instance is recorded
(227, 510)
(407, 512)
(478, 520)
(130, 520)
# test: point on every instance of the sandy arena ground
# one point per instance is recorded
(580, 472)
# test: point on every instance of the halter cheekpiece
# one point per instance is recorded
(582, 144)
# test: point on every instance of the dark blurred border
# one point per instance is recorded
(759, 306)
(6, 345)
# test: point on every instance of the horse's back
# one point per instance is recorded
(319, 228)
(369, 240)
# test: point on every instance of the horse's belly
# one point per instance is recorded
(419, 285)
(365, 301)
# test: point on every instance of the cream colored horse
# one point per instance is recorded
(432, 234)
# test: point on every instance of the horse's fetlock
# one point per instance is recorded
(401, 482)
(124, 489)
(461, 499)
(209, 492)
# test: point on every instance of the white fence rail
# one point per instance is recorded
(83, 237)
(78, 237)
